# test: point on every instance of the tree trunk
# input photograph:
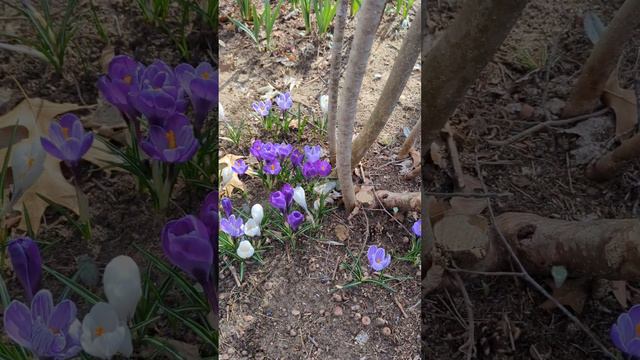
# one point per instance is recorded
(398, 77)
(334, 79)
(608, 249)
(458, 57)
(603, 60)
(368, 20)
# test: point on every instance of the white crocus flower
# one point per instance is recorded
(316, 204)
(252, 228)
(227, 174)
(245, 249)
(103, 335)
(221, 112)
(122, 286)
(324, 104)
(299, 197)
(324, 189)
(27, 163)
(257, 213)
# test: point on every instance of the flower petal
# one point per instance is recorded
(17, 323)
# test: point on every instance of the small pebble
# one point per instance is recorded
(362, 337)
(321, 312)
(293, 332)
(248, 318)
(357, 316)
(337, 311)
(295, 312)
(337, 297)
(355, 307)
(366, 320)
(386, 331)
(380, 322)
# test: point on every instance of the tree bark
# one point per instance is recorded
(603, 60)
(368, 20)
(608, 249)
(398, 77)
(334, 79)
(458, 57)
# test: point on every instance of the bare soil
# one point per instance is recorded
(289, 307)
(544, 176)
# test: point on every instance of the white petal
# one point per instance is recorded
(227, 173)
(251, 228)
(257, 213)
(122, 286)
(104, 316)
(324, 103)
(221, 112)
(245, 249)
(27, 163)
(126, 347)
(299, 197)
(316, 204)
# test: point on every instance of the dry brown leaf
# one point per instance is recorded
(433, 279)
(36, 115)
(467, 205)
(365, 196)
(623, 103)
(342, 233)
(235, 182)
(573, 293)
(466, 233)
(107, 121)
(619, 289)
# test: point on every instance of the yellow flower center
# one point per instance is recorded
(127, 79)
(171, 139)
(65, 132)
(205, 75)
(378, 260)
(30, 162)
(273, 168)
(638, 330)
(99, 331)
(54, 330)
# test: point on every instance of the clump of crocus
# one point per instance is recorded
(313, 165)
(27, 263)
(159, 94)
(201, 85)
(47, 331)
(284, 101)
(378, 258)
(417, 228)
(625, 333)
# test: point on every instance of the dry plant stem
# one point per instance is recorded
(368, 20)
(409, 141)
(455, 156)
(547, 124)
(396, 82)
(334, 77)
(457, 58)
(469, 345)
(525, 275)
(603, 60)
(468, 195)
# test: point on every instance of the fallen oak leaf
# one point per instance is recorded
(234, 182)
(623, 103)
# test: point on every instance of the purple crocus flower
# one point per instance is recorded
(256, 149)
(272, 167)
(201, 84)
(283, 150)
(312, 153)
(227, 206)
(239, 167)
(284, 101)
(27, 263)
(278, 201)
(323, 168)
(186, 244)
(295, 219)
(159, 95)
(625, 333)
(122, 76)
(309, 170)
(262, 107)
(417, 228)
(48, 331)
(209, 213)
(287, 191)
(233, 226)
(173, 143)
(269, 152)
(296, 157)
(67, 140)
(378, 258)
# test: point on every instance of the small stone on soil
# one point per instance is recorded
(362, 337)
(386, 331)
(293, 332)
(366, 320)
(248, 318)
(357, 316)
(380, 322)
(337, 311)
(337, 297)
(295, 312)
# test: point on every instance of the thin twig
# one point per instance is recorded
(388, 213)
(546, 124)
(469, 195)
(455, 156)
(469, 345)
(525, 275)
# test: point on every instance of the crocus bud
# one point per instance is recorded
(278, 201)
(27, 263)
(251, 228)
(209, 213)
(417, 228)
(245, 249)
(257, 213)
(324, 104)
(122, 286)
(287, 191)
(295, 219)
(227, 206)
(299, 197)
(186, 243)
(103, 335)
(227, 174)
(27, 163)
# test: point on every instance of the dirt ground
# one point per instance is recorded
(121, 216)
(288, 307)
(545, 175)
